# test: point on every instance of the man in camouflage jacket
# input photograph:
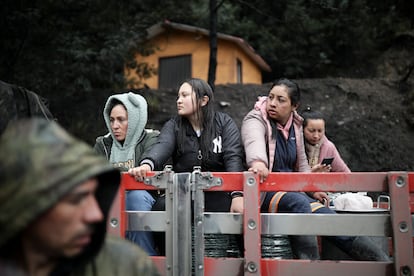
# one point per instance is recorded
(55, 195)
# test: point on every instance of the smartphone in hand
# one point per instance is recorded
(327, 161)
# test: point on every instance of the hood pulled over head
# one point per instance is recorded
(39, 164)
(137, 110)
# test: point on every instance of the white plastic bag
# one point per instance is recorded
(353, 202)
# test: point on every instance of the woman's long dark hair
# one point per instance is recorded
(204, 116)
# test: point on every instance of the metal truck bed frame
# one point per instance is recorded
(185, 255)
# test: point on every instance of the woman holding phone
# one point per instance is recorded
(323, 156)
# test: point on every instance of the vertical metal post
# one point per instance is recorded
(401, 223)
(198, 204)
(251, 225)
(180, 209)
(169, 261)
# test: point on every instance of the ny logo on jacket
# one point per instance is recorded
(217, 146)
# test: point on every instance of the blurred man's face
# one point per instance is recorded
(66, 229)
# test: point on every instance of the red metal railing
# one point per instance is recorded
(400, 185)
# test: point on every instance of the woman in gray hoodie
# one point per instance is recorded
(126, 117)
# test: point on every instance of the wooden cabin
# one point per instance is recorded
(182, 51)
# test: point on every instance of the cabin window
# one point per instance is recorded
(173, 70)
(239, 71)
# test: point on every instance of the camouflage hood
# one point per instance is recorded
(39, 164)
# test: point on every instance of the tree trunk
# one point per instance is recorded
(213, 44)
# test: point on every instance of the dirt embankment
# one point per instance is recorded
(368, 119)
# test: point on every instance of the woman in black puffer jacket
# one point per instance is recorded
(198, 136)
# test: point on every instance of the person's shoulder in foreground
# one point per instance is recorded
(129, 258)
(55, 196)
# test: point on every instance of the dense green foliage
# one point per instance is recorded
(83, 45)
(74, 50)
(314, 38)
